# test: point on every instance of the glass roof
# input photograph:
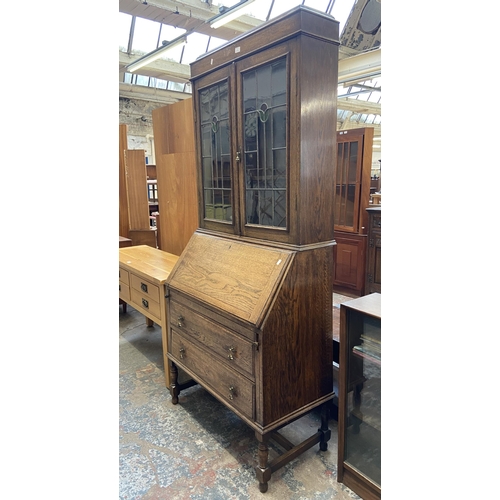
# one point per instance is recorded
(141, 36)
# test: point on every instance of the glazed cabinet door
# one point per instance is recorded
(215, 131)
(348, 184)
(352, 179)
(263, 121)
(242, 126)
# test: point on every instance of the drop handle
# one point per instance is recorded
(238, 156)
(232, 352)
(182, 351)
(232, 392)
(180, 319)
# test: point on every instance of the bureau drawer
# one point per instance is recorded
(124, 291)
(124, 276)
(145, 287)
(233, 348)
(144, 302)
(232, 387)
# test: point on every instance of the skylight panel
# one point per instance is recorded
(145, 35)
(195, 46)
(124, 22)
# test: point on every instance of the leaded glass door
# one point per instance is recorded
(244, 149)
(264, 96)
(218, 185)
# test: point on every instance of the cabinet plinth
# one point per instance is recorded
(250, 298)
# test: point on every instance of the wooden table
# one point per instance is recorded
(143, 273)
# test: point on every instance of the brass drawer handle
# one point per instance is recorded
(232, 392)
(145, 303)
(180, 319)
(232, 352)
(182, 352)
(144, 287)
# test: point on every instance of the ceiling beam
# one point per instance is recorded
(161, 68)
(159, 96)
(189, 15)
(358, 106)
(360, 66)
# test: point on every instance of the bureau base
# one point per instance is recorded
(265, 468)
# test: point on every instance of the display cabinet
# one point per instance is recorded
(359, 420)
(250, 298)
(262, 133)
(352, 197)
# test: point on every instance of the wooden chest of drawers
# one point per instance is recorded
(253, 326)
(143, 274)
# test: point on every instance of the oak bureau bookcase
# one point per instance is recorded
(250, 298)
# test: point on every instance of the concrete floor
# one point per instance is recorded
(198, 449)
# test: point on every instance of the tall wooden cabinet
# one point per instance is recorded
(250, 298)
(352, 196)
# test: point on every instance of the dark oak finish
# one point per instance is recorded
(250, 298)
(359, 425)
(374, 255)
(311, 121)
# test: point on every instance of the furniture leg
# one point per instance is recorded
(174, 386)
(263, 471)
(326, 433)
(149, 322)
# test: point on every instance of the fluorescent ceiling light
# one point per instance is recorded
(230, 14)
(156, 54)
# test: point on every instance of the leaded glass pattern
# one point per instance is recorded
(215, 152)
(264, 122)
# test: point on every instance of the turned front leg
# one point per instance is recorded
(263, 471)
(174, 386)
(326, 433)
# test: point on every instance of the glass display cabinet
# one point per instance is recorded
(359, 445)
(263, 156)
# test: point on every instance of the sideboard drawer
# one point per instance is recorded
(145, 287)
(124, 276)
(232, 387)
(124, 292)
(233, 348)
(143, 301)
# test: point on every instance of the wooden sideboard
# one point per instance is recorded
(143, 273)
